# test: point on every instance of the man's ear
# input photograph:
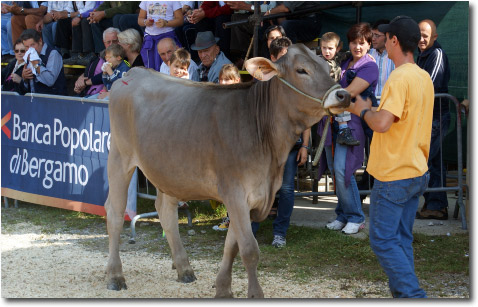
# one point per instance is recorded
(261, 68)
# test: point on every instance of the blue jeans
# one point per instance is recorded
(7, 44)
(49, 33)
(286, 198)
(349, 206)
(436, 167)
(393, 206)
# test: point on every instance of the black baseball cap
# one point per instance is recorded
(405, 28)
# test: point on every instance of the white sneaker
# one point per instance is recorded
(335, 225)
(352, 228)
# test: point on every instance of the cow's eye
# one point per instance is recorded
(301, 71)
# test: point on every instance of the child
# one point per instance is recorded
(278, 48)
(229, 74)
(115, 67)
(330, 46)
(180, 61)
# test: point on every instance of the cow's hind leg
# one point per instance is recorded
(168, 216)
(119, 176)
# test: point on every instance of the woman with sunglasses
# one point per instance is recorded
(12, 74)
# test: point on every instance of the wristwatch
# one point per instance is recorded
(36, 66)
(69, 14)
(252, 7)
(22, 10)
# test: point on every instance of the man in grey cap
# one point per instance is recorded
(398, 155)
(212, 58)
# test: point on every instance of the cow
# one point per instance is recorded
(199, 141)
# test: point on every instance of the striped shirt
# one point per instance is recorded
(385, 68)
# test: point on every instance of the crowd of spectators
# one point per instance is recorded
(186, 39)
(74, 32)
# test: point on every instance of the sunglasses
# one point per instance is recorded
(20, 51)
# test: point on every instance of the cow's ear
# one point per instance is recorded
(261, 68)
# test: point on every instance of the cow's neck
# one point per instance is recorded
(280, 119)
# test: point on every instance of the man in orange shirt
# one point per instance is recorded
(398, 156)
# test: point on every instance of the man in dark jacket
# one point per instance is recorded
(433, 59)
(45, 75)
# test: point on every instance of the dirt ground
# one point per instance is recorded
(69, 265)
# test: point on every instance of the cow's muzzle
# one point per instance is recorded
(337, 101)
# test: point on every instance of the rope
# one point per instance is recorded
(321, 144)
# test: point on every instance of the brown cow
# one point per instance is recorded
(207, 141)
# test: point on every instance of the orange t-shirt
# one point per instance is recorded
(402, 152)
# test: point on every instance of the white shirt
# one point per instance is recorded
(159, 10)
(60, 6)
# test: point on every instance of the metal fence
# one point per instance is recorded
(147, 192)
(310, 173)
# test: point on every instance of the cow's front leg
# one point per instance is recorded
(223, 279)
(167, 208)
(248, 248)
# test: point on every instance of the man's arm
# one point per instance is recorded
(379, 121)
(50, 73)
(16, 10)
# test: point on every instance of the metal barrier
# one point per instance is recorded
(150, 196)
(458, 188)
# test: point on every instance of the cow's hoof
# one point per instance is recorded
(225, 294)
(187, 278)
(117, 284)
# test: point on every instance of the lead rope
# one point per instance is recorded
(318, 153)
(326, 128)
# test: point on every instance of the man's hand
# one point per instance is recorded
(302, 156)
(75, 21)
(96, 16)
(238, 5)
(14, 9)
(80, 84)
(5, 8)
(103, 94)
(359, 105)
(196, 16)
(39, 25)
(27, 73)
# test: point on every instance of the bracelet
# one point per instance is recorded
(144, 21)
(362, 114)
(306, 147)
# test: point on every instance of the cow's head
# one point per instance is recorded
(306, 73)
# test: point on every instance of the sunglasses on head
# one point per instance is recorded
(20, 51)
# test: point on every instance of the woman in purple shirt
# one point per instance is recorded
(359, 77)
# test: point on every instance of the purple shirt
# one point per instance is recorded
(367, 69)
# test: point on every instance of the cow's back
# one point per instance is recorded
(182, 134)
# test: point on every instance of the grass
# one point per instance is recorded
(310, 252)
